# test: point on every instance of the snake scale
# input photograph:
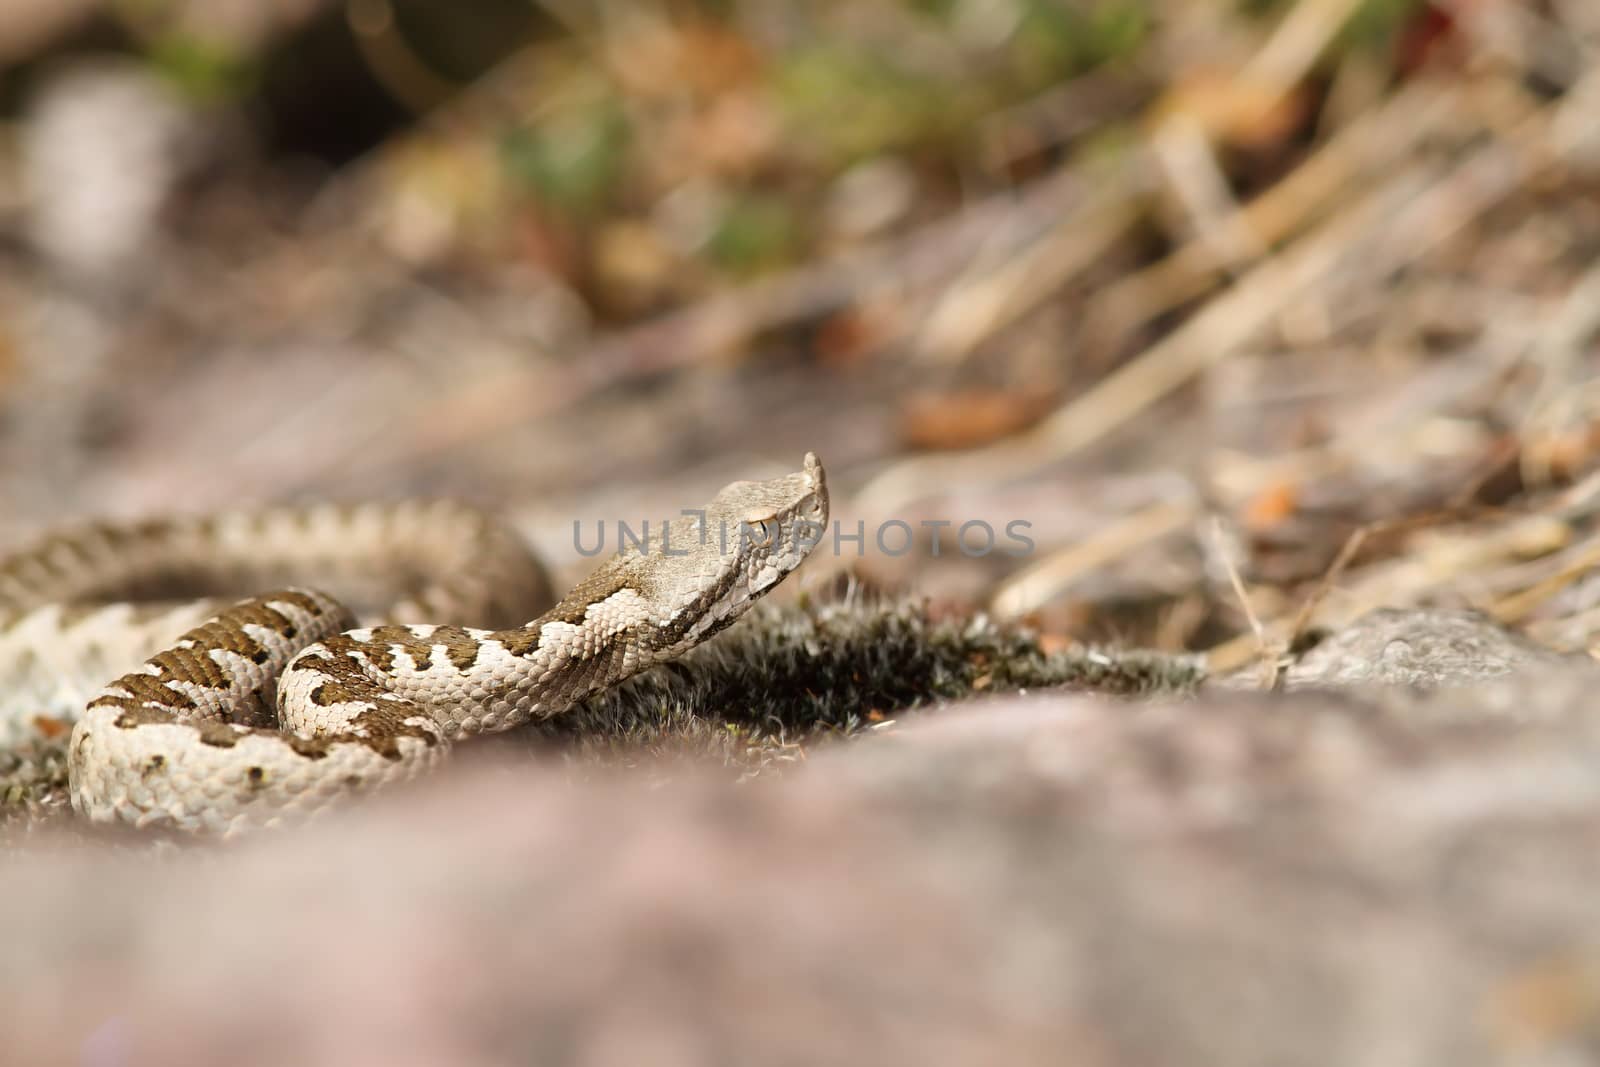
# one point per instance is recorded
(245, 714)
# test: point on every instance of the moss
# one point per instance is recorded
(758, 697)
(33, 781)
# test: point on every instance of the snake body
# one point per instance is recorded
(278, 704)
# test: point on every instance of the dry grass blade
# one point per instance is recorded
(477, 410)
(1269, 652)
(1038, 584)
(1516, 607)
(1393, 225)
(1239, 650)
(1299, 39)
(1210, 336)
(1372, 144)
(972, 312)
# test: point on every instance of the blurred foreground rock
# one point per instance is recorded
(1318, 878)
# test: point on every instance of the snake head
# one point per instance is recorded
(731, 552)
(700, 571)
(697, 574)
(771, 526)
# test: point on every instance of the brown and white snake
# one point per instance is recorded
(278, 704)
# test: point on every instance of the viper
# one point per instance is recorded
(277, 705)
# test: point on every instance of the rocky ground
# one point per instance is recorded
(1389, 861)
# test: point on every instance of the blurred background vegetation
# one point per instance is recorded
(1262, 313)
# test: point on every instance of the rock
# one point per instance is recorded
(1429, 648)
(1252, 879)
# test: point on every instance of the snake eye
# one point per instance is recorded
(763, 532)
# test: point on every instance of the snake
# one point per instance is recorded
(253, 713)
